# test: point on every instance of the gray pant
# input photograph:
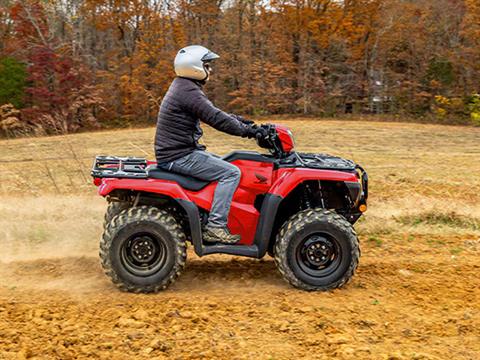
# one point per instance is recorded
(205, 166)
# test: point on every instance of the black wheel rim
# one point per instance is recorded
(319, 255)
(143, 254)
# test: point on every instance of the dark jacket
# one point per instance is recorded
(178, 125)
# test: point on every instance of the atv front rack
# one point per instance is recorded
(322, 161)
(119, 167)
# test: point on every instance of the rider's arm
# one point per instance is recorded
(203, 108)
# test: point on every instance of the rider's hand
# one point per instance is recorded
(261, 133)
(243, 120)
(256, 132)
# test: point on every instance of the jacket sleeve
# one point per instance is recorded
(199, 105)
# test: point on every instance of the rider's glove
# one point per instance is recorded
(242, 119)
(256, 132)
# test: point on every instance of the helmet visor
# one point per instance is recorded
(210, 56)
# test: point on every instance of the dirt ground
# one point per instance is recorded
(416, 294)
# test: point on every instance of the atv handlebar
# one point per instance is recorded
(270, 141)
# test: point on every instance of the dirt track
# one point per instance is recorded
(416, 294)
(395, 308)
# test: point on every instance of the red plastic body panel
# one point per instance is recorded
(286, 138)
(169, 188)
(243, 218)
(257, 178)
(288, 179)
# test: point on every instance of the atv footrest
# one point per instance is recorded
(241, 250)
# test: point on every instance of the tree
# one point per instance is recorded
(280, 56)
(13, 80)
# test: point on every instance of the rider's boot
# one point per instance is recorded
(219, 235)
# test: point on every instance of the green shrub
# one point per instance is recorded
(464, 110)
(441, 70)
(13, 79)
(474, 108)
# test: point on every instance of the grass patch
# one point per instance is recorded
(417, 270)
(436, 243)
(456, 251)
(375, 240)
(450, 219)
(375, 226)
(38, 235)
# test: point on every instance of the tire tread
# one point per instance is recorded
(136, 214)
(294, 224)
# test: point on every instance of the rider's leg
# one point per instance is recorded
(205, 166)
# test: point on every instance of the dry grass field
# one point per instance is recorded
(416, 294)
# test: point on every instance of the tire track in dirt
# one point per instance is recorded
(207, 272)
(224, 307)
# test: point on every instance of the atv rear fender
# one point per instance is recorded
(167, 188)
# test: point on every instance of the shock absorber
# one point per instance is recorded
(306, 197)
(321, 194)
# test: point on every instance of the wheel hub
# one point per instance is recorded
(143, 253)
(143, 249)
(318, 252)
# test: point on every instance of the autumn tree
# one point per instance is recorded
(60, 98)
(282, 56)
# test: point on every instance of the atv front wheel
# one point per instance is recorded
(317, 250)
(143, 249)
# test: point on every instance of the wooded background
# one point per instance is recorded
(72, 64)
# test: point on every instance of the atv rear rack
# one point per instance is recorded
(119, 167)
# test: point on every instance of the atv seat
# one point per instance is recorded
(187, 182)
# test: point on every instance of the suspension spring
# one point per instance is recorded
(306, 197)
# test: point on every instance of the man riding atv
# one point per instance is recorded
(178, 132)
(297, 207)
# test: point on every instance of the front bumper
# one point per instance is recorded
(358, 191)
(364, 184)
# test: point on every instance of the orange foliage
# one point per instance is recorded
(284, 56)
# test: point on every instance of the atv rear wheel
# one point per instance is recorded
(114, 208)
(317, 250)
(143, 249)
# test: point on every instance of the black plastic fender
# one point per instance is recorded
(268, 212)
(263, 232)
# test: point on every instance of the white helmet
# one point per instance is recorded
(190, 62)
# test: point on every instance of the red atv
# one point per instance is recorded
(298, 207)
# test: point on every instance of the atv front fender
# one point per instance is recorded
(289, 178)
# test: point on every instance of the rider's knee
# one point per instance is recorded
(234, 173)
